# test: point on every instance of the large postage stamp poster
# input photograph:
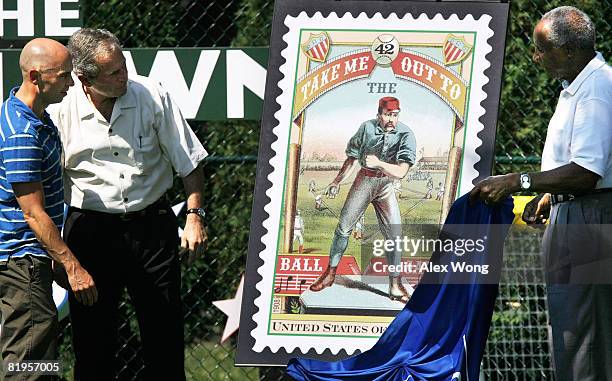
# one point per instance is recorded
(378, 128)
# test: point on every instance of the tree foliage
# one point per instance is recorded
(529, 95)
(137, 23)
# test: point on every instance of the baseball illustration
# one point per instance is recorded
(385, 49)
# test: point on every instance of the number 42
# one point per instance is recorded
(384, 49)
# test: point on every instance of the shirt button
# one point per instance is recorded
(125, 199)
(121, 176)
(116, 153)
(110, 130)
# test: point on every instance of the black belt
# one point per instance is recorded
(565, 197)
(157, 208)
(562, 197)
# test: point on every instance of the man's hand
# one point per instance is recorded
(81, 284)
(537, 210)
(194, 238)
(371, 161)
(332, 189)
(494, 189)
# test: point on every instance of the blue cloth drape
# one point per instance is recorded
(441, 333)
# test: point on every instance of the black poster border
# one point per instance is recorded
(245, 356)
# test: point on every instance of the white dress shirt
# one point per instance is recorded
(580, 131)
(124, 165)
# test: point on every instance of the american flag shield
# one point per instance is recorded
(455, 49)
(317, 47)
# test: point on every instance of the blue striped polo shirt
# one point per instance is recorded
(30, 151)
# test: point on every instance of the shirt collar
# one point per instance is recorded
(86, 109)
(89, 110)
(26, 111)
(597, 62)
(127, 100)
(124, 102)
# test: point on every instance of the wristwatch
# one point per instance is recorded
(199, 211)
(525, 181)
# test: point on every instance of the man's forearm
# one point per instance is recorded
(398, 171)
(569, 178)
(346, 170)
(49, 237)
(30, 197)
(194, 235)
(194, 185)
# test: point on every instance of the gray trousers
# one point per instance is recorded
(365, 190)
(577, 250)
(29, 316)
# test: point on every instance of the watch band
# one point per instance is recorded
(199, 211)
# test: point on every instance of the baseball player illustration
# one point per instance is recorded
(430, 188)
(298, 231)
(318, 202)
(312, 186)
(386, 149)
(440, 193)
(397, 187)
(358, 231)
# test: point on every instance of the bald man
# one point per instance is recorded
(31, 211)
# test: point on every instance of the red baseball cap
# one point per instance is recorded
(389, 104)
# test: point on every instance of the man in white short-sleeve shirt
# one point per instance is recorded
(579, 130)
(576, 196)
(121, 138)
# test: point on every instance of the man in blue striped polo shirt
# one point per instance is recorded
(31, 209)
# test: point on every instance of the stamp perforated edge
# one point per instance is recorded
(283, 118)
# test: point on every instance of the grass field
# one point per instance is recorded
(320, 224)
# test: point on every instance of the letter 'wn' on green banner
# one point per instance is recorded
(207, 84)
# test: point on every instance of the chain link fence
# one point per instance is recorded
(518, 347)
(518, 344)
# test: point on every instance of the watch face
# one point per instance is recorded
(525, 181)
(199, 211)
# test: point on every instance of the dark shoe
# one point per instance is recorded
(397, 290)
(324, 280)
